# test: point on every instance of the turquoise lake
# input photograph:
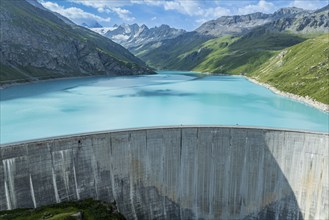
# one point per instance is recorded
(63, 107)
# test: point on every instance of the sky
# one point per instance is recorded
(184, 14)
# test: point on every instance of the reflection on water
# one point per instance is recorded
(157, 93)
(170, 98)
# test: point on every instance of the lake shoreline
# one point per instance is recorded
(7, 85)
(307, 100)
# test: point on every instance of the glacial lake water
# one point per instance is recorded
(72, 106)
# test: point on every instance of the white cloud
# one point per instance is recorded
(102, 3)
(201, 10)
(186, 7)
(261, 6)
(309, 5)
(212, 13)
(109, 7)
(75, 14)
(148, 2)
(124, 14)
(191, 8)
(103, 10)
(216, 12)
(201, 21)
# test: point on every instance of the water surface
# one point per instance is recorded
(73, 106)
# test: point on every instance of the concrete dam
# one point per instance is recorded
(175, 172)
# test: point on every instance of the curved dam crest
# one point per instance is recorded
(175, 172)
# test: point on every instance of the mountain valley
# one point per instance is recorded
(239, 44)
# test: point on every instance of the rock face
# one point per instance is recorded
(233, 24)
(38, 44)
(288, 12)
(132, 36)
(291, 19)
(302, 22)
(175, 173)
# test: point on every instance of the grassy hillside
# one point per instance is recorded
(235, 55)
(302, 69)
(89, 209)
(227, 54)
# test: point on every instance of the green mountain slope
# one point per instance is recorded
(302, 69)
(37, 44)
(244, 54)
(166, 54)
(256, 38)
(226, 54)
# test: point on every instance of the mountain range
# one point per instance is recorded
(134, 36)
(295, 20)
(39, 44)
(286, 23)
(168, 48)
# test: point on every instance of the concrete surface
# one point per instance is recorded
(175, 173)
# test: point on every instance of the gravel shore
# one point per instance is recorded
(307, 100)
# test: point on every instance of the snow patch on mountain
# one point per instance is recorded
(134, 35)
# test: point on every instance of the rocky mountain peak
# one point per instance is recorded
(234, 25)
(240, 18)
(164, 26)
(293, 19)
(144, 27)
(133, 35)
(288, 11)
(297, 20)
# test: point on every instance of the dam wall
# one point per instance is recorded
(175, 172)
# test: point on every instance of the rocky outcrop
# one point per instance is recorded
(303, 22)
(37, 44)
(290, 11)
